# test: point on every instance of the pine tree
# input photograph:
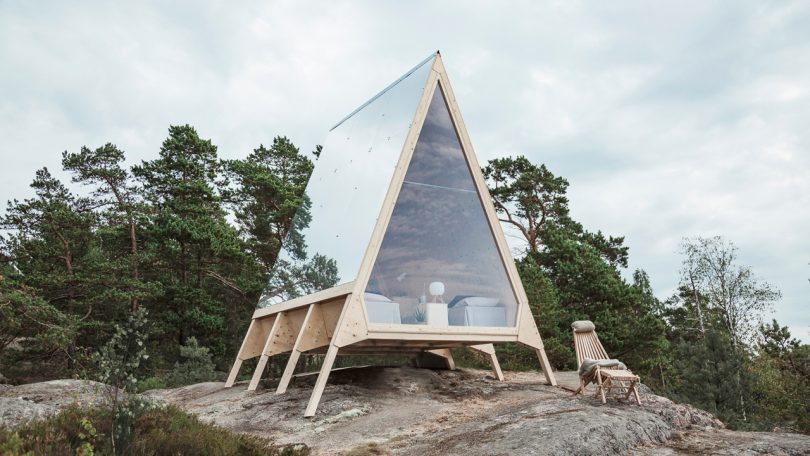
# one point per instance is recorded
(51, 250)
(36, 329)
(208, 279)
(114, 196)
(709, 377)
(583, 266)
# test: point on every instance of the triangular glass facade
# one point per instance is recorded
(439, 264)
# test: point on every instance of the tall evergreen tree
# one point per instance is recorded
(533, 200)
(583, 266)
(114, 196)
(709, 377)
(208, 279)
(782, 370)
(50, 249)
(37, 329)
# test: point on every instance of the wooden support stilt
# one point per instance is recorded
(248, 349)
(489, 351)
(234, 372)
(541, 354)
(601, 388)
(529, 336)
(447, 355)
(257, 374)
(296, 353)
(320, 384)
(289, 370)
(496, 367)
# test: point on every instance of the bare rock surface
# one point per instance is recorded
(407, 411)
(33, 401)
(725, 442)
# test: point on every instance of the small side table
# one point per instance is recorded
(436, 314)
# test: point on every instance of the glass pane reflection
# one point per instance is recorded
(438, 264)
(345, 193)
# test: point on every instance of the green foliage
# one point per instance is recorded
(49, 253)
(533, 200)
(715, 364)
(115, 197)
(196, 365)
(154, 236)
(527, 196)
(549, 316)
(419, 315)
(269, 190)
(150, 383)
(571, 273)
(36, 327)
(160, 431)
(270, 207)
(590, 288)
(209, 281)
(713, 375)
(782, 371)
(117, 362)
(74, 430)
(171, 431)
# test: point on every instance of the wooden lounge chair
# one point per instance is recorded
(616, 377)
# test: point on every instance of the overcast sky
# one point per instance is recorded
(668, 120)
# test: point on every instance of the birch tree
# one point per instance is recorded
(711, 270)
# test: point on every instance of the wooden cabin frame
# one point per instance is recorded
(334, 321)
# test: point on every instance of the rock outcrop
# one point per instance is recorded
(406, 411)
(33, 401)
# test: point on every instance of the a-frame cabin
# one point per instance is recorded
(397, 248)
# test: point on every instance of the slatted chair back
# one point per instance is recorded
(587, 344)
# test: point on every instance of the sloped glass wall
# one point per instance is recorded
(331, 231)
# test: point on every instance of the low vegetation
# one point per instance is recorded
(159, 431)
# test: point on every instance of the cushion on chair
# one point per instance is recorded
(589, 365)
(582, 326)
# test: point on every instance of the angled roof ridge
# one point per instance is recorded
(386, 89)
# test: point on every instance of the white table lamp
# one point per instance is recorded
(436, 290)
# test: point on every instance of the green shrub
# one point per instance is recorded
(150, 383)
(196, 366)
(73, 431)
(116, 364)
(160, 431)
(171, 431)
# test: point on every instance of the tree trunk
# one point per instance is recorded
(133, 239)
(697, 303)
